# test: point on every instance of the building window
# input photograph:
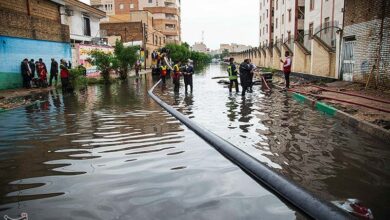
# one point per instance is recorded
(86, 26)
(289, 15)
(121, 6)
(282, 18)
(150, 1)
(267, 13)
(326, 22)
(276, 23)
(131, 6)
(277, 3)
(266, 28)
(311, 30)
(283, 2)
(311, 4)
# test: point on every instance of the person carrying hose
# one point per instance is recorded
(245, 76)
(176, 77)
(233, 75)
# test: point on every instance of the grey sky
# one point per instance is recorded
(223, 21)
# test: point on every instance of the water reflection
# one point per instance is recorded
(320, 153)
(111, 152)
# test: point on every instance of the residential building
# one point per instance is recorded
(107, 6)
(366, 41)
(323, 18)
(33, 30)
(167, 17)
(83, 21)
(135, 28)
(287, 22)
(266, 8)
(233, 48)
(166, 14)
(200, 47)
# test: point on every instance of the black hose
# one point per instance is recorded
(307, 203)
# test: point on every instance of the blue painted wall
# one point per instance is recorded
(14, 50)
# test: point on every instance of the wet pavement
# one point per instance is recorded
(327, 157)
(110, 152)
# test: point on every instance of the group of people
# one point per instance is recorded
(34, 74)
(187, 71)
(246, 72)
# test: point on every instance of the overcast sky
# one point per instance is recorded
(223, 21)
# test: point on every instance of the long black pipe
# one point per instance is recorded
(310, 205)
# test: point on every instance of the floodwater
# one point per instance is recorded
(327, 157)
(113, 153)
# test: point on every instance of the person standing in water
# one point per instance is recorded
(176, 77)
(287, 69)
(245, 74)
(233, 75)
(189, 71)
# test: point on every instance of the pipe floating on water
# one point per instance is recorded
(304, 201)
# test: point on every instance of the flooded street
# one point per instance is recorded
(322, 154)
(113, 153)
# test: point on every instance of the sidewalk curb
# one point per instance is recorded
(361, 125)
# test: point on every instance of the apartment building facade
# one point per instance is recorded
(266, 8)
(166, 13)
(323, 18)
(308, 29)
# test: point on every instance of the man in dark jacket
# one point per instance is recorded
(245, 75)
(53, 71)
(189, 71)
(26, 73)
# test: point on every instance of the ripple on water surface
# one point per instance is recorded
(112, 153)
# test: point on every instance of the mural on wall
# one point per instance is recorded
(83, 57)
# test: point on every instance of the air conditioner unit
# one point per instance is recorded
(68, 12)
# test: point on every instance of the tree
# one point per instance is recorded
(103, 62)
(225, 53)
(178, 52)
(125, 58)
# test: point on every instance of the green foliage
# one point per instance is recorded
(200, 58)
(126, 57)
(178, 52)
(182, 53)
(104, 62)
(77, 77)
(225, 53)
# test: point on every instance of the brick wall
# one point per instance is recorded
(38, 8)
(363, 21)
(129, 31)
(18, 24)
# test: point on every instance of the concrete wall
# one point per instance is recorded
(301, 61)
(320, 60)
(14, 50)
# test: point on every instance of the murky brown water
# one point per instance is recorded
(112, 153)
(327, 157)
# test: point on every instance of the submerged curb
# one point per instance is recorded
(36, 102)
(361, 125)
(279, 185)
